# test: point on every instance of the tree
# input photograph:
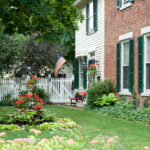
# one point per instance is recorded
(38, 58)
(10, 47)
(50, 18)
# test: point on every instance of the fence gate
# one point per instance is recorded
(58, 89)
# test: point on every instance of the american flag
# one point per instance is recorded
(59, 62)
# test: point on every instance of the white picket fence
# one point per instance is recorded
(58, 89)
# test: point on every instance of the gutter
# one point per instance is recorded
(80, 3)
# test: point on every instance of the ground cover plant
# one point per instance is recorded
(133, 136)
(76, 142)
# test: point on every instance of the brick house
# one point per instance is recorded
(127, 40)
(89, 44)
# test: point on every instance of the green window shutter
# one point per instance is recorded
(131, 0)
(76, 74)
(118, 66)
(131, 65)
(140, 63)
(95, 14)
(85, 73)
(87, 19)
(119, 2)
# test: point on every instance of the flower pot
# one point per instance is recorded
(30, 86)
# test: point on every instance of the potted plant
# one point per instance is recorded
(78, 95)
(32, 82)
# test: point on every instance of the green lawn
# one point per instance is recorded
(132, 135)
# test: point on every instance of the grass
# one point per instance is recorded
(132, 135)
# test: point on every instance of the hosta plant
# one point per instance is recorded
(107, 100)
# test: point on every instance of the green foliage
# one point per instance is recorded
(92, 71)
(29, 118)
(60, 124)
(107, 100)
(135, 100)
(97, 89)
(127, 111)
(49, 18)
(76, 141)
(41, 93)
(10, 47)
(146, 103)
(11, 127)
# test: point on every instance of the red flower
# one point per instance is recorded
(21, 108)
(12, 103)
(41, 100)
(33, 77)
(35, 108)
(23, 101)
(16, 103)
(20, 96)
(20, 102)
(38, 78)
(39, 106)
(35, 95)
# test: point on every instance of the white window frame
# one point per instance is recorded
(125, 4)
(123, 91)
(146, 92)
(91, 58)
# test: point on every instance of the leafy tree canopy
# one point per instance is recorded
(49, 18)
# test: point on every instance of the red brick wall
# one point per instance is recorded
(117, 22)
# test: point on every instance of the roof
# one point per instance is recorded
(80, 3)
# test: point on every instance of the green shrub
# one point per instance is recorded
(107, 100)
(11, 127)
(97, 89)
(29, 118)
(6, 100)
(145, 103)
(41, 93)
(127, 111)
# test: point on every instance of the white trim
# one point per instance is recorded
(125, 36)
(145, 30)
(125, 5)
(145, 93)
(125, 92)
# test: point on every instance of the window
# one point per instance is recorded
(122, 4)
(91, 17)
(147, 62)
(125, 65)
(91, 61)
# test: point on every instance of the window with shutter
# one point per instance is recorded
(122, 4)
(125, 74)
(125, 65)
(91, 17)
